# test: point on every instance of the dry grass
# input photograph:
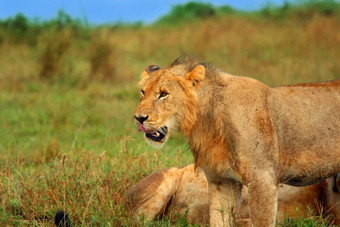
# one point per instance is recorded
(56, 43)
(277, 52)
(102, 56)
(89, 186)
(69, 141)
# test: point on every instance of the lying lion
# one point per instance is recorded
(242, 132)
(177, 191)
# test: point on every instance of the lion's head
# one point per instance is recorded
(168, 100)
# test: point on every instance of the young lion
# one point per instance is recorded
(184, 192)
(241, 131)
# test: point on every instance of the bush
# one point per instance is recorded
(16, 27)
(324, 7)
(53, 52)
(188, 12)
(102, 58)
(303, 9)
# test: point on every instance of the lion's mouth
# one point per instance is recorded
(158, 135)
(155, 135)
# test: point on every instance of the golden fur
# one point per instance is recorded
(332, 197)
(243, 132)
(179, 190)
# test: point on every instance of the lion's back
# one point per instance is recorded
(307, 123)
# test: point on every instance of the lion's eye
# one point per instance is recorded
(142, 92)
(163, 94)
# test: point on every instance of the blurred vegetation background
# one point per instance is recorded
(68, 91)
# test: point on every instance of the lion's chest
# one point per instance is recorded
(212, 156)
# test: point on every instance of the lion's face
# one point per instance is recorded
(167, 102)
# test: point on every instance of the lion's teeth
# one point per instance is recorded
(162, 130)
(157, 133)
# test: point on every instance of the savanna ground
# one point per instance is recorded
(67, 97)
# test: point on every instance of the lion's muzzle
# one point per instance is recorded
(141, 119)
(155, 135)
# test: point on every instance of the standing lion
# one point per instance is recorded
(242, 132)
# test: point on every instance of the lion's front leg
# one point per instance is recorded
(223, 199)
(263, 198)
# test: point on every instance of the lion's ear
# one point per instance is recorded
(196, 76)
(146, 73)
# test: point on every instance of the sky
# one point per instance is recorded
(111, 11)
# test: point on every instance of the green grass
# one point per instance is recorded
(77, 150)
(67, 135)
(313, 221)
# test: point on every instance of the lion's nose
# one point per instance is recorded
(141, 119)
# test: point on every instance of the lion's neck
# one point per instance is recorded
(189, 122)
(196, 110)
(206, 131)
(189, 116)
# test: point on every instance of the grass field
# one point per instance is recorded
(67, 134)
